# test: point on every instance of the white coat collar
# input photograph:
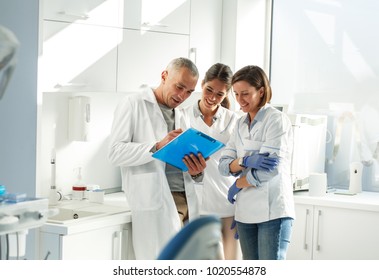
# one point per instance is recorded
(259, 116)
(149, 94)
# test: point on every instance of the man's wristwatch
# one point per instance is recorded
(240, 162)
(196, 176)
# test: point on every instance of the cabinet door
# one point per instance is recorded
(171, 16)
(127, 245)
(144, 55)
(345, 234)
(79, 57)
(100, 244)
(301, 245)
(49, 246)
(95, 12)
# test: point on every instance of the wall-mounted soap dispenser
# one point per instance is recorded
(355, 185)
(79, 118)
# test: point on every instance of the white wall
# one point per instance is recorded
(246, 24)
(90, 155)
(18, 107)
(207, 24)
(325, 61)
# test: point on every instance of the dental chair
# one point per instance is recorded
(200, 239)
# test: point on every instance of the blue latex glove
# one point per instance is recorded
(233, 190)
(260, 162)
(236, 235)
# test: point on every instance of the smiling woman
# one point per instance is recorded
(259, 153)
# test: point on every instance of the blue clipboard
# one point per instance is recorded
(189, 141)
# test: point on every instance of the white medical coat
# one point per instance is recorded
(137, 126)
(272, 197)
(213, 190)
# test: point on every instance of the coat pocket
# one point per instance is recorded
(145, 191)
(251, 146)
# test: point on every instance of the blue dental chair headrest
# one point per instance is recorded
(198, 240)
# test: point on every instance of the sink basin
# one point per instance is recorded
(66, 215)
(69, 212)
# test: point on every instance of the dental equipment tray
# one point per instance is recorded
(27, 214)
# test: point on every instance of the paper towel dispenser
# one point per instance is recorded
(309, 148)
(79, 118)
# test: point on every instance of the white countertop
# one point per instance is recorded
(115, 209)
(119, 211)
(117, 199)
(368, 201)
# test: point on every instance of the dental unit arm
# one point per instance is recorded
(18, 213)
(8, 48)
(16, 218)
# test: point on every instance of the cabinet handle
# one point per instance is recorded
(117, 245)
(64, 85)
(149, 24)
(75, 16)
(192, 54)
(125, 244)
(305, 229)
(318, 246)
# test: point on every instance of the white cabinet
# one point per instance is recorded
(78, 57)
(144, 55)
(79, 47)
(110, 45)
(326, 232)
(154, 33)
(94, 12)
(168, 16)
(302, 234)
(100, 244)
(99, 240)
(118, 45)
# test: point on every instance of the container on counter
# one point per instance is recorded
(78, 192)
